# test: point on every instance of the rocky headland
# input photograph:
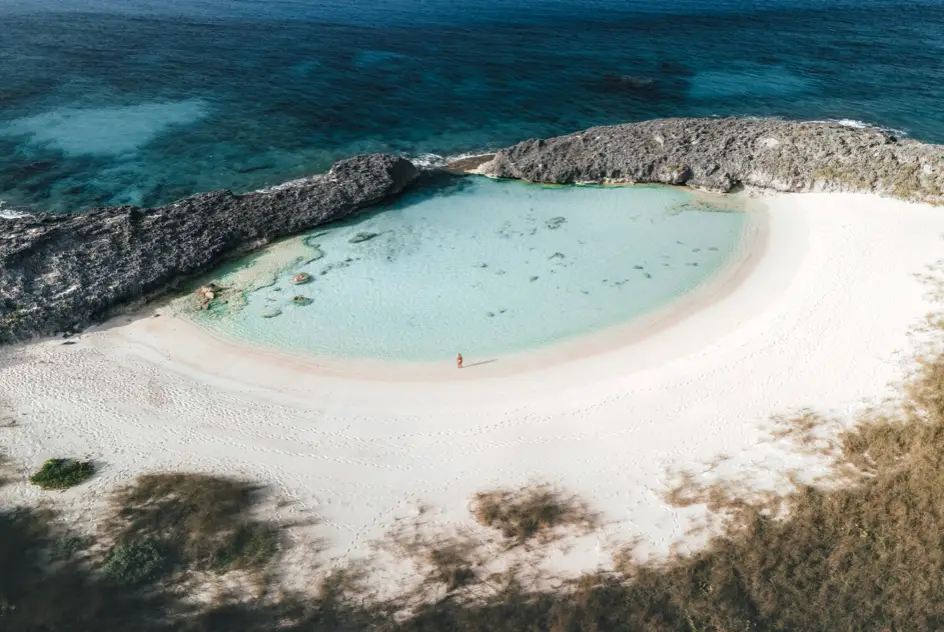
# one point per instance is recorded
(726, 154)
(64, 272)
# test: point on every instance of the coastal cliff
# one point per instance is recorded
(725, 154)
(63, 272)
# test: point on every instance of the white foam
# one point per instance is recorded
(437, 161)
(9, 213)
(854, 123)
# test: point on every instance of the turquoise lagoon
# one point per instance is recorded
(486, 268)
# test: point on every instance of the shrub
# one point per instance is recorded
(67, 546)
(62, 473)
(132, 563)
(250, 547)
(202, 522)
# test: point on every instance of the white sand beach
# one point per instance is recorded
(817, 315)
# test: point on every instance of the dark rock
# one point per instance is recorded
(302, 300)
(629, 82)
(253, 168)
(724, 154)
(555, 222)
(58, 271)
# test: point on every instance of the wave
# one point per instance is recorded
(863, 125)
(10, 213)
(428, 162)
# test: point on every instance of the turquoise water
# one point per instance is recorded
(487, 268)
(147, 101)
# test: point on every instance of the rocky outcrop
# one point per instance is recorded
(62, 272)
(724, 154)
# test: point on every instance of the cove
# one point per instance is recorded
(481, 267)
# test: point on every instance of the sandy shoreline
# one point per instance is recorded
(815, 314)
(189, 342)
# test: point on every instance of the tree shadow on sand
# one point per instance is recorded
(858, 550)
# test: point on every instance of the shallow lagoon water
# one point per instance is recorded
(486, 268)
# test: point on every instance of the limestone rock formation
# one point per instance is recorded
(63, 272)
(723, 154)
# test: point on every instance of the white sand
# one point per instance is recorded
(820, 320)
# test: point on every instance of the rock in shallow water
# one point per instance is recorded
(60, 272)
(359, 237)
(301, 278)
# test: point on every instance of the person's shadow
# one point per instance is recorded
(479, 363)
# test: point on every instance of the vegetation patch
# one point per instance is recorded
(862, 551)
(63, 473)
(132, 563)
(532, 513)
(201, 522)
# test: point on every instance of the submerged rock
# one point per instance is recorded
(724, 154)
(271, 313)
(207, 294)
(359, 237)
(555, 222)
(61, 272)
(629, 82)
(302, 300)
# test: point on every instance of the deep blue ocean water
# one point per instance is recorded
(146, 101)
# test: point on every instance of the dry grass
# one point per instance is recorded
(538, 513)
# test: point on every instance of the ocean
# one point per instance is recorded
(146, 101)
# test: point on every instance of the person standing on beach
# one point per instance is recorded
(459, 360)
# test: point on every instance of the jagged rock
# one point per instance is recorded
(302, 300)
(60, 272)
(723, 154)
(301, 278)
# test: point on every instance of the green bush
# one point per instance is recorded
(67, 546)
(202, 522)
(134, 562)
(252, 546)
(62, 473)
